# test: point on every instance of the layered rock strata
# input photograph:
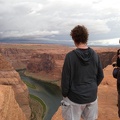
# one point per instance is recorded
(46, 66)
(46, 61)
(9, 108)
(11, 79)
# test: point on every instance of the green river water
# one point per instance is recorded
(49, 93)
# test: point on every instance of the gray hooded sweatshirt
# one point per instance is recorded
(81, 74)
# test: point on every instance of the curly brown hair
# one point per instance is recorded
(79, 34)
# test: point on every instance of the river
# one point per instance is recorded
(49, 93)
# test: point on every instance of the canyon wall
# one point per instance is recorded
(45, 61)
(48, 66)
(107, 58)
(9, 108)
(14, 94)
(18, 57)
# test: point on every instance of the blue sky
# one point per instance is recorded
(52, 20)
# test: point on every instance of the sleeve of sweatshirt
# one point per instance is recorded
(100, 74)
(65, 81)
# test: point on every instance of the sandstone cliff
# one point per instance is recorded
(19, 54)
(45, 61)
(107, 58)
(9, 108)
(48, 66)
(18, 57)
(10, 79)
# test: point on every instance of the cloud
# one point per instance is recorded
(55, 18)
(105, 42)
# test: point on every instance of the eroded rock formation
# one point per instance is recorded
(18, 57)
(9, 108)
(46, 61)
(107, 58)
(48, 66)
(41, 62)
(11, 79)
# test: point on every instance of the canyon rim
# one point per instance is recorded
(44, 61)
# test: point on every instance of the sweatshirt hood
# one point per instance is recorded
(84, 55)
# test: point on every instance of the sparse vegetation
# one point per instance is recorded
(29, 84)
(38, 108)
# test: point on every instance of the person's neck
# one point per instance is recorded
(82, 46)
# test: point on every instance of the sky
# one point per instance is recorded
(50, 21)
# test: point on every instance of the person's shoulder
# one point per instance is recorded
(70, 53)
(92, 50)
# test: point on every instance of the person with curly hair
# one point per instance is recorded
(81, 75)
